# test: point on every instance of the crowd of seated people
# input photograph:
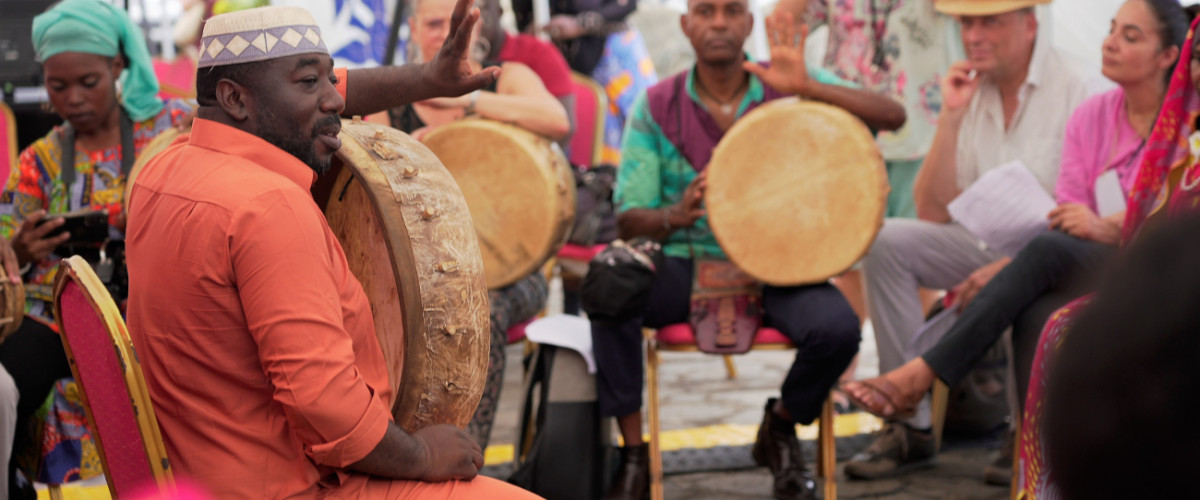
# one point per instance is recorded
(273, 385)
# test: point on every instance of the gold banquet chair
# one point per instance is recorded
(106, 368)
(680, 338)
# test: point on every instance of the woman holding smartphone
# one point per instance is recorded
(99, 78)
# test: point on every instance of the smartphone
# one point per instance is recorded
(85, 226)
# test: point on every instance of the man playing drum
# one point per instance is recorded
(670, 138)
(257, 341)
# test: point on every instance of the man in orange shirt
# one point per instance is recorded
(257, 342)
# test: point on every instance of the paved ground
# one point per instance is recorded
(696, 393)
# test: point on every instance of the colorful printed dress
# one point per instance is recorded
(618, 61)
(1167, 185)
(901, 49)
(64, 450)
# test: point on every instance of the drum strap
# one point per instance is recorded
(724, 309)
(68, 155)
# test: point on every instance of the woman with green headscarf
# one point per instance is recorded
(100, 80)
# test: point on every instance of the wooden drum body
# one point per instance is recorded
(796, 192)
(408, 237)
(12, 308)
(519, 188)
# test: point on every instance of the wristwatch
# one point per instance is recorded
(470, 109)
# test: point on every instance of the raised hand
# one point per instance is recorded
(959, 86)
(451, 70)
(788, 72)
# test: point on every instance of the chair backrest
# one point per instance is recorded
(177, 78)
(8, 142)
(591, 105)
(120, 416)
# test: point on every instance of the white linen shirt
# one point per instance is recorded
(1045, 103)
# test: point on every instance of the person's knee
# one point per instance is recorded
(889, 245)
(1048, 246)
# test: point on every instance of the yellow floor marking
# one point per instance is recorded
(75, 492)
(698, 438)
(723, 435)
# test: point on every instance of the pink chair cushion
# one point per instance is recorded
(681, 334)
(517, 332)
(101, 376)
(577, 252)
(7, 154)
(583, 139)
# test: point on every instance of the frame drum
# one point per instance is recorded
(520, 190)
(408, 237)
(796, 192)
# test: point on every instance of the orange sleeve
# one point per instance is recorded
(285, 281)
(342, 74)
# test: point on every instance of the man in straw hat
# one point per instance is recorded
(257, 341)
(1009, 101)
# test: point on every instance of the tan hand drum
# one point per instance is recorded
(796, 192)
(12, 308)
(408, 237)
(520, 190)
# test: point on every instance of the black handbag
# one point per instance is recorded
(617, 284)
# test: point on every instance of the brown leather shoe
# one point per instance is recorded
(779, 451)
(633, 475)
(897, 448)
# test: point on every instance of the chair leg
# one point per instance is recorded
(656, 472)
(827, 450)
(730, 368)
(940, 400)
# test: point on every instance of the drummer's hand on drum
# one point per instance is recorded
(690, 208)
(788, 72)
(450, 70)
(959, 86)
(30, 242)
(449, 453)
(563, 27)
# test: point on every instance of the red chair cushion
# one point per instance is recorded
(101, 376)
(681, 334)
(517, 332)
(583, 139)
(577, 252)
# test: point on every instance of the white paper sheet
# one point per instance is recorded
(564, 330)
(932, 331)
(1110, 199)
(1006, 208)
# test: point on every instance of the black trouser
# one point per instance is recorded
(34, 356)
(816, 318)
(1049, 272)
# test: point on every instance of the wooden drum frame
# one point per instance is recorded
(408, 237)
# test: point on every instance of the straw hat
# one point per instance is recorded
(982, 7)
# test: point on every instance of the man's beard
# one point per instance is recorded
(293, 140)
